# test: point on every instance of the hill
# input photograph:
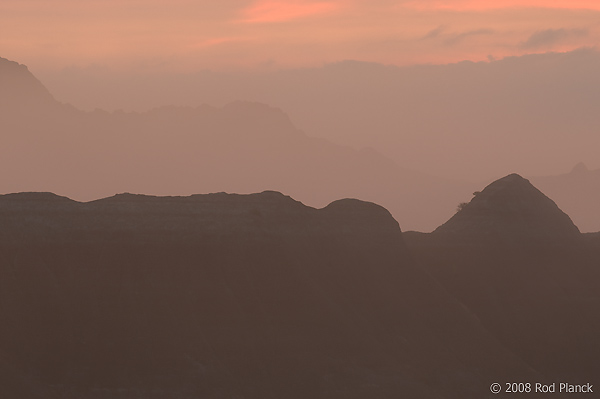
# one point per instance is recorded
(510, 209)
(519, 263)
(215, 296)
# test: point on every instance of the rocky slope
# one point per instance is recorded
(518, 262)
(510, 209)
(577, 193)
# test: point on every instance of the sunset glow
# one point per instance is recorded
(462, 5)
(186, 35)
(279, 11)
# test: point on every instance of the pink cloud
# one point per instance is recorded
(264, 11)
(464, 5)
(215, 41)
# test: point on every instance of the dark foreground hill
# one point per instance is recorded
(228, 296)
(519, 263)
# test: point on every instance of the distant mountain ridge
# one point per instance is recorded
(18, 87)
(242, 147)
(465, 120)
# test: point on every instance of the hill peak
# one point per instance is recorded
(580, 168)
(510, 209)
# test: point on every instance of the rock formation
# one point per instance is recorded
(220, 296)
(510, 209)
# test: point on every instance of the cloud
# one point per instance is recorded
(462, 36)
(471, 5)
(435, 32)
(265, 11)
(549, 37)
(215, 41)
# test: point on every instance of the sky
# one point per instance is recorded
(185, 35)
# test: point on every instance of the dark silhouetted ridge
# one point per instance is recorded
(223, 295)
(271, 199)
(202, 214)
(510, 209)
(34, 197)
(363, 216)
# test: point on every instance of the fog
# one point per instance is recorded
(534, 114)
(418, 140)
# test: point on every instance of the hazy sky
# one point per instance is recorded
(178, 35)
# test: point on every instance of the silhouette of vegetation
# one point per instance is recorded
(461, 206)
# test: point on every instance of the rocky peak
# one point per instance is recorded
(510, 209)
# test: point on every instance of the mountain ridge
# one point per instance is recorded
(240, 147)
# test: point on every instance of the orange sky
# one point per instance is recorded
(191, 34)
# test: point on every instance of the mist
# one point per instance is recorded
(534, 114)
(418, 140)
